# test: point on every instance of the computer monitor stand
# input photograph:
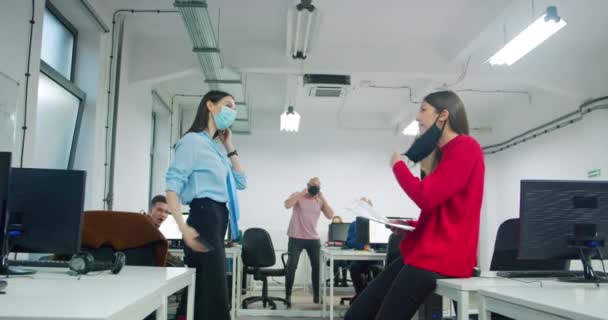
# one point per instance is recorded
(5, 270)
(589, 275)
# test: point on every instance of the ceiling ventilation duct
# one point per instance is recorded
(326, 85)
(205, 46)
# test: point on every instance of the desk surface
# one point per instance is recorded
(53, 294)
(476, 284)
(589, 303)
(72, 299)
(341, 253)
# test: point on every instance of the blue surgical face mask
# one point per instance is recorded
(225, 118)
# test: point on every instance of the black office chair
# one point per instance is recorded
(506, 249)
(505, 257)
(258, 255)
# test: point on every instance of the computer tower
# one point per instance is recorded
(432, 308)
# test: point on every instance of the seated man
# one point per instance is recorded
(158, 210)
(359, 270)
(158, 213)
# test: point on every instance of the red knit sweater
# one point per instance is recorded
(447, 232)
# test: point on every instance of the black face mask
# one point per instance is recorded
(425, 144)
(313, 190)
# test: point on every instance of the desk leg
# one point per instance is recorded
(322, 283)
(463, 305)
(190, 306)
(483, 313)
(239, 284)
(234, 288)
(331, 288)
(161, 312)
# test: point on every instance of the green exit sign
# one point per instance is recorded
(594, 173)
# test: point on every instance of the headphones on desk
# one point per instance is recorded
(84, 262)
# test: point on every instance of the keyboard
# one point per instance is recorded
(38, 263)
(543, 274)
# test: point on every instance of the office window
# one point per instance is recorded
(58, 42)
(60, 101)
(57, 118)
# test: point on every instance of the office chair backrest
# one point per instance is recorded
(505, 257)
(393, 251)
(130, 232)
(258, 251)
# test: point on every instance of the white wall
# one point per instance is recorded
(14, 36)
(161, 148)
(568, 153)
(350, 164)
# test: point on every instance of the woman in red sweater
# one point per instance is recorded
(444, 243)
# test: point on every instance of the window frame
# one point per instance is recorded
(71, 29)
(70, 87)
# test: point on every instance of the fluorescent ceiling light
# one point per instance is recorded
(303, 24)
(411, 129)
(290, 120)
(539, 31)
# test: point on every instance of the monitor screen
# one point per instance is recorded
(338, 232)
(378, 233)
(46, 205)
(549, 210)
(171, 231)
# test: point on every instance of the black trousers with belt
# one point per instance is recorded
(210, 219)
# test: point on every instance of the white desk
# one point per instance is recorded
(134, 293)
(332, 254)
(461, 290)
(549, 303)
(237, 269)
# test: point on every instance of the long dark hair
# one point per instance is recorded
(201, 120)
(450, 101)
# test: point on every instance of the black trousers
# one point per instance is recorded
(210, 219)
(295, 247)
(396, 293)
(359, 270)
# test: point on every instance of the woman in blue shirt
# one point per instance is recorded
(205, 176)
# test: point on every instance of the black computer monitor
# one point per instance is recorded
(46, 208)
(338, 232)
(5, 169)
(549, 210)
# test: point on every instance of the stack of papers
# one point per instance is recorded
(363, 209)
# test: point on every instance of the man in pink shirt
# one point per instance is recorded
(307, 207)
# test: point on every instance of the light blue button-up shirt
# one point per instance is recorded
(198, 171)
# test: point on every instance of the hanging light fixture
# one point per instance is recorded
(290, 120)
(412, 129)
(539, 31)
(303, 25)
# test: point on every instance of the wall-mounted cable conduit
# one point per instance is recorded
(112, 107)
(553, 125)
(27, 83)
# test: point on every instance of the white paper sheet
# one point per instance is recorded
(362, 209)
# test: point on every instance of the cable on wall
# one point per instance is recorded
(109, 155)
(553, 125)
(27, 83)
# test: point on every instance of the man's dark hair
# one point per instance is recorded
(158, 198)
